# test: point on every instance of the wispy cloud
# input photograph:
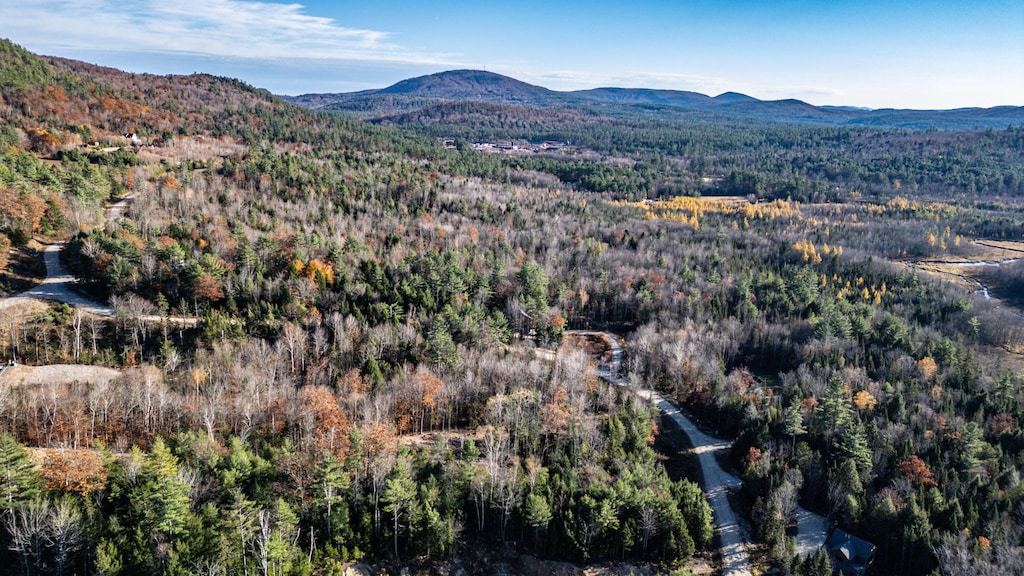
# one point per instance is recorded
(574, 80)
(583, 79)
(222, 28)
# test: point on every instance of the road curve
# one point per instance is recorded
(58, 282)
(717, 483)
(57, 286)
(812, 528)
(116, 210)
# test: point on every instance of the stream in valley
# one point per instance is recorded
(982, 288)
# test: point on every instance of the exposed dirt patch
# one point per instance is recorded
(594, 344)
(23, 310)
(453, 439)
(182, 149)
(1011, 357)
(57, 374)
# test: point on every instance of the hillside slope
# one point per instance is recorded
(329, 263)
(54, 93)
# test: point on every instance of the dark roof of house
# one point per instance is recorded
(853, 549)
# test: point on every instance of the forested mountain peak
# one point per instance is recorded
(474, 85)
(734, 97)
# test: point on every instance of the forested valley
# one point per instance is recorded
(339, 342)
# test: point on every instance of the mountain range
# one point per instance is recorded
(477, 86)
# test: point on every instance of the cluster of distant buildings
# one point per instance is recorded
(511, 146)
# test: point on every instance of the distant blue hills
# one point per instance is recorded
(479, 86)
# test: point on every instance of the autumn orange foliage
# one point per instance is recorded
(208, 288)
(555, 413)
(352, 382)
(752, 457)
(330, 427)
(5, 247)
(24, 207)
(918, 471)
(42, 140)
(79, 471)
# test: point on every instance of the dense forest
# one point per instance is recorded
(666, 153)
(373, 363)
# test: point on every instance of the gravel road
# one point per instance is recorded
(58, 282)
(57, 286)
(812, 529)
(717, 483)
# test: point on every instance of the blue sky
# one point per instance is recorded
(923, 54)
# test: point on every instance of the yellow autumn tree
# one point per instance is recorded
(314, 271)
(927, 368)
(806, 251)
(864, 401)
(318, 270)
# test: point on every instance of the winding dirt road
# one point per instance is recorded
(812, 529)
(717, 483)
(57, 287)
(57, 284)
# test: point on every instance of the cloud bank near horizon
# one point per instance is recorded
(244, 29)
